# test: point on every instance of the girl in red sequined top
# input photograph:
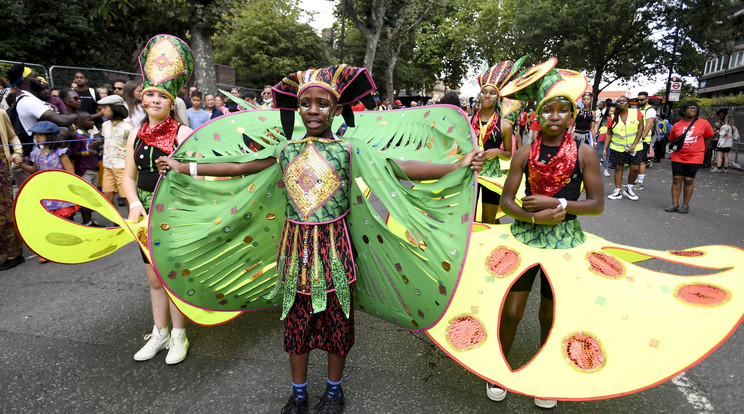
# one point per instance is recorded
(554, 166)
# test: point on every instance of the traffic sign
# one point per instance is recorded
(676, 86)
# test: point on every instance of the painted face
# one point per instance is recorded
(156, 104)
(488, 96)
(107, 112)
(317, 108)
(554, 116)
(622, 104)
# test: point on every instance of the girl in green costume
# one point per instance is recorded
(554, 167)
(315, 257)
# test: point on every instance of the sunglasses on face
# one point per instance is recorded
(118, 89)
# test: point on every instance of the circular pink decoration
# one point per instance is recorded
(502, 262)
(584, 352)
(701, 294)
(465, 332)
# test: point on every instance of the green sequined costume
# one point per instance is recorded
(215, 241)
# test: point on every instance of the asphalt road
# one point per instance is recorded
(68, 333)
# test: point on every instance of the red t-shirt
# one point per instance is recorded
(693, 152)
(523, 118)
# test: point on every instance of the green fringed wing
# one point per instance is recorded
(409, 262)
(214, 241)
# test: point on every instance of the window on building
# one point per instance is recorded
(722, 63)
(737, 59)
(710, 66)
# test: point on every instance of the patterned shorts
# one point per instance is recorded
(623, 157)
(329, 330)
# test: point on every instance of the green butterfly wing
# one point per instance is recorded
(410, 242)
(214, 240)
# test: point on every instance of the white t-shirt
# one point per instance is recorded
(650, 113)
(29, 109)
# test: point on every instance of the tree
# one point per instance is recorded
(438, 48)
(126, 26)
(265, 41)
(608, 40)
(403, 20)
(369, 18)
(46, 32)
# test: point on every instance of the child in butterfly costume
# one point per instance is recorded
(315, 260)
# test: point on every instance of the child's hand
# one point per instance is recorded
(474, 159)
(166, 164)
(550, 216)
(492, 153)
(539, 202)
(135, 213)
(17, 159)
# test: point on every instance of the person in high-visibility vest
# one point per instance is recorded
(624, 131)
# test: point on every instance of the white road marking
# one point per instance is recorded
(693, 396)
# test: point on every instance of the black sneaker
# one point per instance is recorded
(330, 404)
(295, 406)
(11, 263)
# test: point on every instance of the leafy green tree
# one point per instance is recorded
(46, 32)
(265, 41)
(608, 40)
(369, 17)
(125, 26)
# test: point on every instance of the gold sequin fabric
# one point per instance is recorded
(164, 62)
(316, 176)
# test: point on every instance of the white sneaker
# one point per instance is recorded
(715, 169)
(546, 403)
(628, 192)
(606, 172)
(616, 195)
(494, 392)
(156, 342)
(178, 347)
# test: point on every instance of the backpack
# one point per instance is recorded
(19, 129)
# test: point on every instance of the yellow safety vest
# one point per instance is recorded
(624, 133)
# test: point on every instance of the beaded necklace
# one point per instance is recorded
(482, 132)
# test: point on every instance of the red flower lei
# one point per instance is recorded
(162, 136)
(486, 135)
(548, 178)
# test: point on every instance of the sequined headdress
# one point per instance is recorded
(347, 84)
(500, 74)
(542, 83)
(166, 63)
